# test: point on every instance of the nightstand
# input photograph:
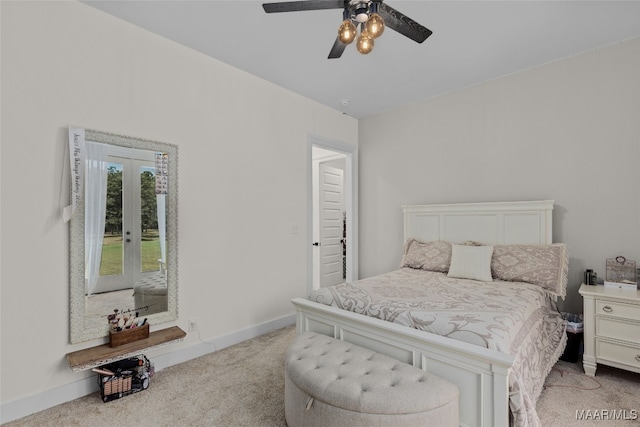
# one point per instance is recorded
(611, 328)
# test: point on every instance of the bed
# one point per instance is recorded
(495, 339)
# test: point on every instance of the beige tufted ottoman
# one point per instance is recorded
(329, 382)
(150, 296)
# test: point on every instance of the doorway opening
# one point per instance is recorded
(332, 226)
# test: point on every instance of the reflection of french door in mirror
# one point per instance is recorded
(131, 245)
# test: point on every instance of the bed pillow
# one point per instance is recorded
(543, 265)
(471, 262)
(430, 256)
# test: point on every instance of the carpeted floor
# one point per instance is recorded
(243, 385)
(570, 394)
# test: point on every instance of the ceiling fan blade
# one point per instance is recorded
(294, 6)
(337, 49)
(403, 24)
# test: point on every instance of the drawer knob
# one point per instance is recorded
(607, 309)
(638, 357)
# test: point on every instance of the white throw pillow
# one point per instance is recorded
(471, 262)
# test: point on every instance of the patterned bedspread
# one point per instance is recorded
(516, 318)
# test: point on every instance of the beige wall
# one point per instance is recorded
(243, 176)
(568, 131)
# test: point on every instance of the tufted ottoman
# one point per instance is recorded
(329, 382)
(151, 293)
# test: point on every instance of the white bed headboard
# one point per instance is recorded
(489, 223)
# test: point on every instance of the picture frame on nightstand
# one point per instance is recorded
(621, 273)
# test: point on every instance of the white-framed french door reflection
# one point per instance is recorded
(131, 247)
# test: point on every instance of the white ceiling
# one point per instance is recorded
(472, 42)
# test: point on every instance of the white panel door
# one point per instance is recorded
(331, 208)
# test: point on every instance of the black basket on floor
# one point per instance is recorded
(129, 376)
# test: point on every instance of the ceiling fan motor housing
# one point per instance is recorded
(359, 11)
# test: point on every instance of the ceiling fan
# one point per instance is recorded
(363, 21)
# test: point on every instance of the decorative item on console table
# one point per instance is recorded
(590, 277)
(621, 273)
(126, 328)
(611, 328)
(128, 335)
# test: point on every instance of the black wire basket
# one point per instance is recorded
(124, 377)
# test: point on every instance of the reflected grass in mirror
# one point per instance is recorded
(111, 262)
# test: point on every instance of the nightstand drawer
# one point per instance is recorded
(618, 353)
(611, 328)
(617, 309)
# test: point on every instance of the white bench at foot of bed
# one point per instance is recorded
(481, 375)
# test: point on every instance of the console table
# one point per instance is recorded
(93, 357)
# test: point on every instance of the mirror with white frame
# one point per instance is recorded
(123, 235)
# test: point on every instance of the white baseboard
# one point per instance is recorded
(48, 398)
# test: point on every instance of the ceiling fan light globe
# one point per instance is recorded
(375, 25)
(364, 43)
(347, 32)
